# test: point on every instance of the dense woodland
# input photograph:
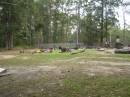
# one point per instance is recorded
(33, 22)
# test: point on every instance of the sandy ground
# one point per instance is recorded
(6, 57)
(77, 64)
(60, 68)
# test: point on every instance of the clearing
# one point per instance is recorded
(88, 74)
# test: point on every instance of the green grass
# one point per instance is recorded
(72, 86)
(33, 59)
(39, 58)
(98, 86)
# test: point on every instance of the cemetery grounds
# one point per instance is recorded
(88, 74)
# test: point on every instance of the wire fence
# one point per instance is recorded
(57, 45)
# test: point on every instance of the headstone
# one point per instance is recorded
(100, 49)
(122, 51)
(2, 70)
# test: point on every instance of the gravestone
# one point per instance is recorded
(125, 50)
(122, 51)
(2, 70)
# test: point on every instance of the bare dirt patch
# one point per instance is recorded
(7, 57)
(25, 58)
(34, 72)
(102, 70)
(105, 68)
(95, 67)
(105, 63)
(77, 64)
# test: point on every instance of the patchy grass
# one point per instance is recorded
(34, 59)
(97, 86)
(73, 85)
(88, 74)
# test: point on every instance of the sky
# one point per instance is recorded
(120, 15)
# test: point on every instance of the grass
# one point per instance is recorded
(98, 86)
(29, 59)
(69, 83)
(72, 86)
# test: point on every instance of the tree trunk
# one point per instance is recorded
(102, 23)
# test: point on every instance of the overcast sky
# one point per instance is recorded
(127, 16)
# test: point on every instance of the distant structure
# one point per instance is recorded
(118, 43)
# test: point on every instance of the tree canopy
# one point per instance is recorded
(35, 22)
